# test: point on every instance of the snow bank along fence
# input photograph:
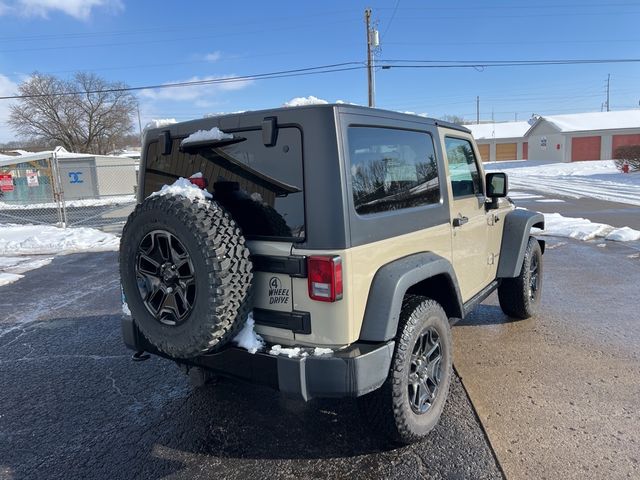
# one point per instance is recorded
(67, 189)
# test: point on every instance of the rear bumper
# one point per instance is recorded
(350, 372)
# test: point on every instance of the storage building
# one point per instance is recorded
(501, 141)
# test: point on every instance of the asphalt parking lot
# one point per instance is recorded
(73, 404)
(553, 396)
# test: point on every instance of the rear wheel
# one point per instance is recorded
(520, 296)
(410, 402)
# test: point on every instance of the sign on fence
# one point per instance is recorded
(6, 182)
(32, 179)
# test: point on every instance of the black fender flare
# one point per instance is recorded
(515, 236)
(389, 286)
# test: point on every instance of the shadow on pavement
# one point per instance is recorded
(75, 406)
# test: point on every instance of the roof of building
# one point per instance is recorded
(60, 152)
(580, 122)
(488, 131)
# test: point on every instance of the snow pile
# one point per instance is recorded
(291, 352)
(624, 234)
(19, 265)
(203, 135)
(7, 278)
(584, 229)
(125, 309)
(160, 122)
(183, 188)
(256, 197)
(319, 351)
(247, 338)
(49, 240)
(302, 101)
(86, 202)
(299, 352)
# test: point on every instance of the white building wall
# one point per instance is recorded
(551, 153)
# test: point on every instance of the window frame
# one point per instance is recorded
(482, 193)
(386, 213)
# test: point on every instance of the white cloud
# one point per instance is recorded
(79, 9)
(201, 94)
(213, 56)
(300, 101)
(7, 87)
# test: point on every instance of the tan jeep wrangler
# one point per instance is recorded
(363, 231)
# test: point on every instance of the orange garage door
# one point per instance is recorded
(585, 148)
(484, 152)
(623, 141)
(525, 150)
(506, 151)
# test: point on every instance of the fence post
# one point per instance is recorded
(62, 209)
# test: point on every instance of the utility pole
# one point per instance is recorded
(478, 109)
(372, 42)
(608, 84)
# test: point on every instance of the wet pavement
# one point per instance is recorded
(73, 405)
(559, 394)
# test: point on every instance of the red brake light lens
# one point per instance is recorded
(200, 182)
(325, 278)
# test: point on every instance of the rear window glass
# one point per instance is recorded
(392, 169)
(262, 187)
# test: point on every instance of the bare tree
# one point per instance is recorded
(85, 114)
(453, 119)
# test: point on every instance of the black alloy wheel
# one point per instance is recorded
(165, 277)
(425, 371)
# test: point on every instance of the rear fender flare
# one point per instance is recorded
(390, 285)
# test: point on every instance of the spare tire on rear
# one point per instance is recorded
(186, 274)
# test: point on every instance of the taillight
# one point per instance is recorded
(200, 182)
(325, 278)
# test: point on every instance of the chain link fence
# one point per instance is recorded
(97, 192)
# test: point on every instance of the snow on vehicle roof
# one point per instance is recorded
(486, 131)
(578, 122)
(160, 122)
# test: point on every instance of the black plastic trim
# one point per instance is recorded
(297, 322)
(480, 297)
(515, 236)
(295, 266)
(353, 371)
(388, 289)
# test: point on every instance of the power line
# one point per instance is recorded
(336, 67)
(388, 64)
(342, 67)
(393, 15)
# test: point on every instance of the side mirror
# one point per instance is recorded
(497, 187)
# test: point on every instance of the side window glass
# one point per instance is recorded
(463, 169)
(392, 169)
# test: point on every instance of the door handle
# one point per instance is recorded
(459, 221)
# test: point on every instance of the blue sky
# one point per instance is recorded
(149, 42)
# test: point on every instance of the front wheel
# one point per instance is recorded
(520, 296)
(410, 402)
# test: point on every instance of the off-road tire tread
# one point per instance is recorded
(226, 256)
(513, 293)
(382, 407)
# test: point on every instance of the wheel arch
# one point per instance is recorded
(515, 236)
(424, 273)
